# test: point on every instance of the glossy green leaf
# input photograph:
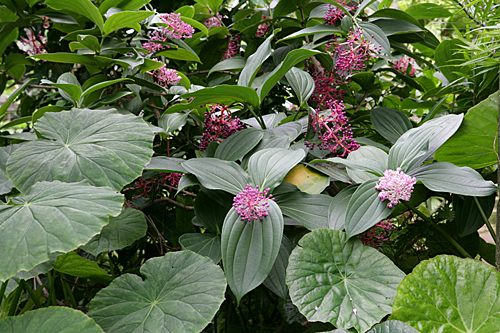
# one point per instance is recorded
(446, 177)
(100, 62)
(206, 244)
(338, 208)
(268, 167)
(254, 62)
(82, 7)
(395, 27)
(75, 265)
(467, 216)
(378, 160)
(302, 84)
(181, 292)
(390, 123)
(5, 183)
(179, 54)
(283, 8)
(195, 24)
(376, 36)
(166, 164)
(131, 5)
(249, 249)
(102, 85)
(365, 209)
(230, 63)
(311, 210)
(104, 147)
(121, 232)
(475, 143)
(172, 122)
(49, 320)
(465, 296)
(396, 14)
(428, 11)
(70, 92)
(125, 19)
(419, 144)
(449, 59)
(239, 144)
(317, 29)
(341, 281)
(292, 58)
(52, 217)
(392, 326)
(217, 174)
(276, 280)
(13, 97)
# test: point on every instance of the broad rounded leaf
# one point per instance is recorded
(390, 123)
(446, 177)
(217, 174)
(205, 244)
(121, 231)
(249, 249)
(276, 280)
(450, 294)
(49, 320)
(393, 326)
(333, 279)
(52, 217)
(181, 292)
(365, 209)
(104, 147)
(268, 167)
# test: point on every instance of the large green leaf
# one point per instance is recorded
(121, 231)
(166, 164)
(333, 279)
(276, 280)
(171, 122)
(131, 5)
(82, 7)
(450, 294)
(311, 210)
(378, 159)
(449, 58)
(100, 62)
(52, 217)
(181, 292)
(75, 265)
(393, 326)
(376, 36)
(125, 19)
(268, 167)
(365, 209)
(338, 208)
(302, 84)
(180, 54)
(5, 183)
(205, 244)
(217, 174)
(254, 62)
(423, 11)
(49, 320)
(239, 144)
(446, 177)
(230, 63)
(390, 123)
(476, 141)
(467, 216)
(104, 147)
(250, 248)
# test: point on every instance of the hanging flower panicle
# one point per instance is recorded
(395, 186)
(33, 44)
(175, 29)
(378, 234)
(233, 49)
(252, 204)
(263, 28)
(218, 125)
(402, 64)
(335, 14)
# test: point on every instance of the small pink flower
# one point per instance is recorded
(335, 14)
(165, 76)
(252, 204)
(378, 234)
(213, 21)
(402, 65)
(175, 29)
(262, 28)
(395, 186)
(218, 125)
(33, 44)
(233, 49)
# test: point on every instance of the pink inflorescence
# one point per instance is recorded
(378, 234)
(218, 125)
(33, 44)
(233, 49)
(395, 186)
(214, 21)
(262, 28)
(252, 204)
(175, 29)
(335, 14)
(402, 65)
(165, 76)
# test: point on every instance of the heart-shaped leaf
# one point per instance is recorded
(465, 296)
(121, 231)
(181, 292)
(52, 217)
(104, 147)
(333, 279)
(250, 248)
(50, 320)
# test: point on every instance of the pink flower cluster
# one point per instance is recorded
(252, 204)
(233, 49)
(33, 44)
(213, 21)
(175, 28)
(262, 28)
(165, 76)
(335, 14)
(395, 186)
(402, 65)
(378, 234)
(218, 125)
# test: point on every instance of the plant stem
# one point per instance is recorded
(34, 298)
(240, 315)
(15, 301)
(485, 219)
(67, 291)
(440, 230)
(2, 290)
(52, 293)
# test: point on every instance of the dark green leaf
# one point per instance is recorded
(317, 29)
(205, 244)
(333, 279)
(131, 5)
(12, 98)
(374, 34)
(449, 59)
(75, 265)
(390, 123)
(467, 215)
(254, 62)
(428, 11)
(276, 280)
(230, 63)
(82, 7)
(172, 122)
(179, 54)
(210, 212)
(239, 144)
(338, 208)
(395, 27)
